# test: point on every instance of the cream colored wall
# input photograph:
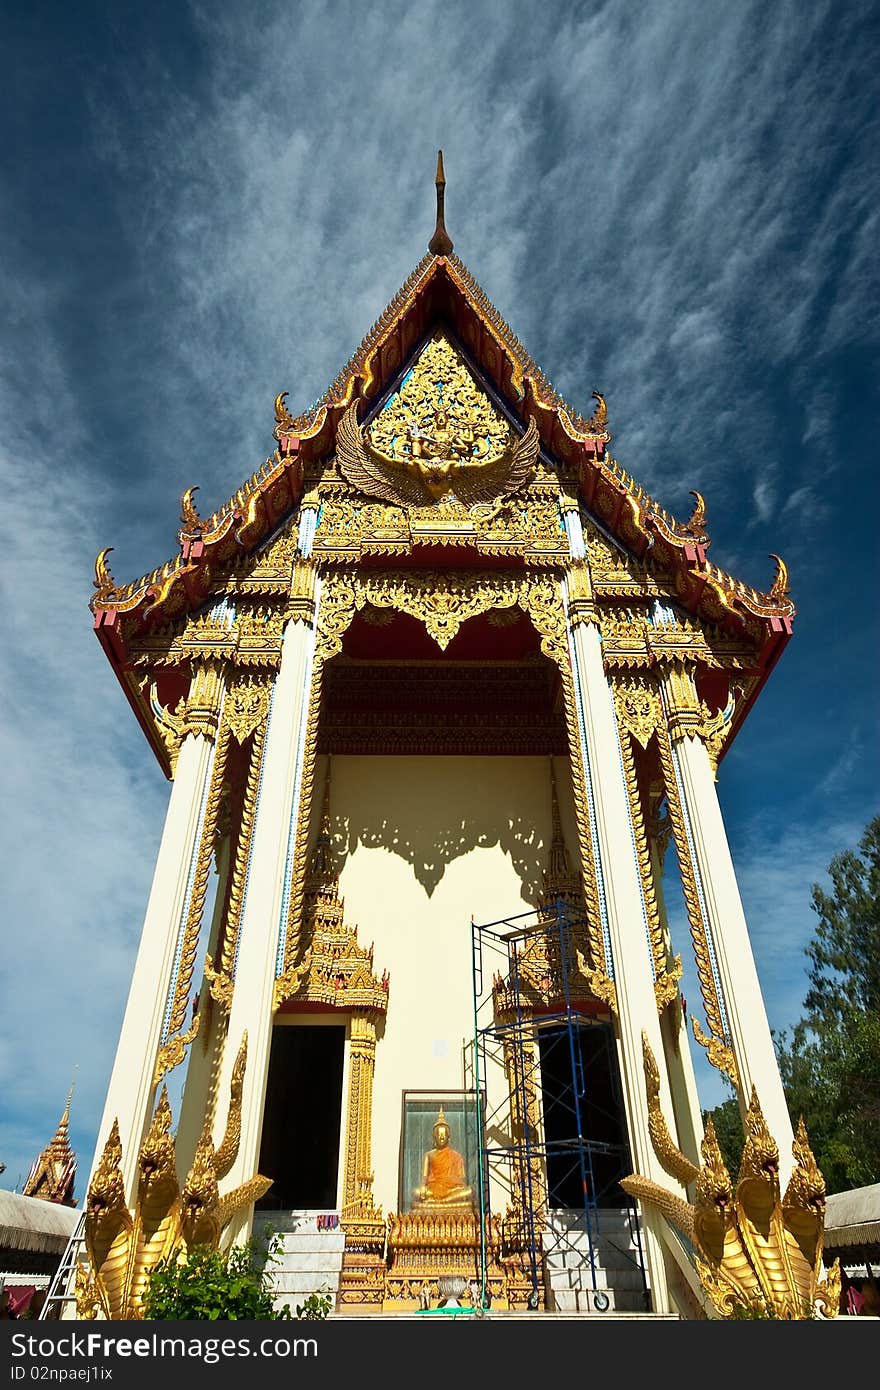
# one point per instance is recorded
(424, 844)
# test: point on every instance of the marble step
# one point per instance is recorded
(297, 1243)
(578, 1301)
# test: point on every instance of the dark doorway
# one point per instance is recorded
(582, 1062)
(300, 1143)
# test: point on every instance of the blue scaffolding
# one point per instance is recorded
(531, 1024)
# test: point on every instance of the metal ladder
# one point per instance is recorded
(61, 1287)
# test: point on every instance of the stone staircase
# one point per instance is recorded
(568, 1281)
(309, 1258)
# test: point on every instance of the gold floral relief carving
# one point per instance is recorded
(246, 707)
(438, 434)
(638, 708)
(529, 524)
(440, 380)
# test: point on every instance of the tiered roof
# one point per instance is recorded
(440, 290)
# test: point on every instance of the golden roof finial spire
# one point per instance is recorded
(52, 1174)
(65, 1118)
(441, 242)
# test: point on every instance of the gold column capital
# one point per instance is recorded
(301, 599)
(568, 501)
(205, 699)
(581, 605)
(684, 713)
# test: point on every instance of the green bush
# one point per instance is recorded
(210, 1286)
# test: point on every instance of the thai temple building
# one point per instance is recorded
(436, 691)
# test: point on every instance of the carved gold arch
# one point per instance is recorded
(442, 600)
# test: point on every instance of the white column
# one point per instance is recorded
(750, 1036)
(626, 924)
(264, 910)
(261, 921)
(130, 1093)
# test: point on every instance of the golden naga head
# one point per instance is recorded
(598, 422)
(283, 417)
(107, 1190)
(757, 1255)
(696, 522)
(780, 588)
(189, 517)
(105, 584)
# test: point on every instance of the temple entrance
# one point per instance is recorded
(580, 1064)
(301, 1120)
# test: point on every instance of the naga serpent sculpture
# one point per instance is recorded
(756, 1252)
(124, 1247)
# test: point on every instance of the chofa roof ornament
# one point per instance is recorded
(441, 242)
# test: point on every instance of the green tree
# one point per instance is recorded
(830, 1064)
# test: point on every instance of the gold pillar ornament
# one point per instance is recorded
(173, 1050)
(683, 712)
(717, 1045)
(639, 714)
(581, 604)
(758, 1254)
(357, 1199)
(301, 600)
(205, 699)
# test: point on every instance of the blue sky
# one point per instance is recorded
(203, 205)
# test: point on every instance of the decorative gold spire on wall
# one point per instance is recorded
(441, 242)
(559, 881)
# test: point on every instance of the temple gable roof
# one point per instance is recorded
(442, 294)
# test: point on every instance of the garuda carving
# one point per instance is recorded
(448, 457)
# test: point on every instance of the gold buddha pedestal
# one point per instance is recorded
(440, 1237)
(427, 1245)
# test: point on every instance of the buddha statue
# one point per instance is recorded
(444, 1181)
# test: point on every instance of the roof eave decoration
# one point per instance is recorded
(440, 289)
